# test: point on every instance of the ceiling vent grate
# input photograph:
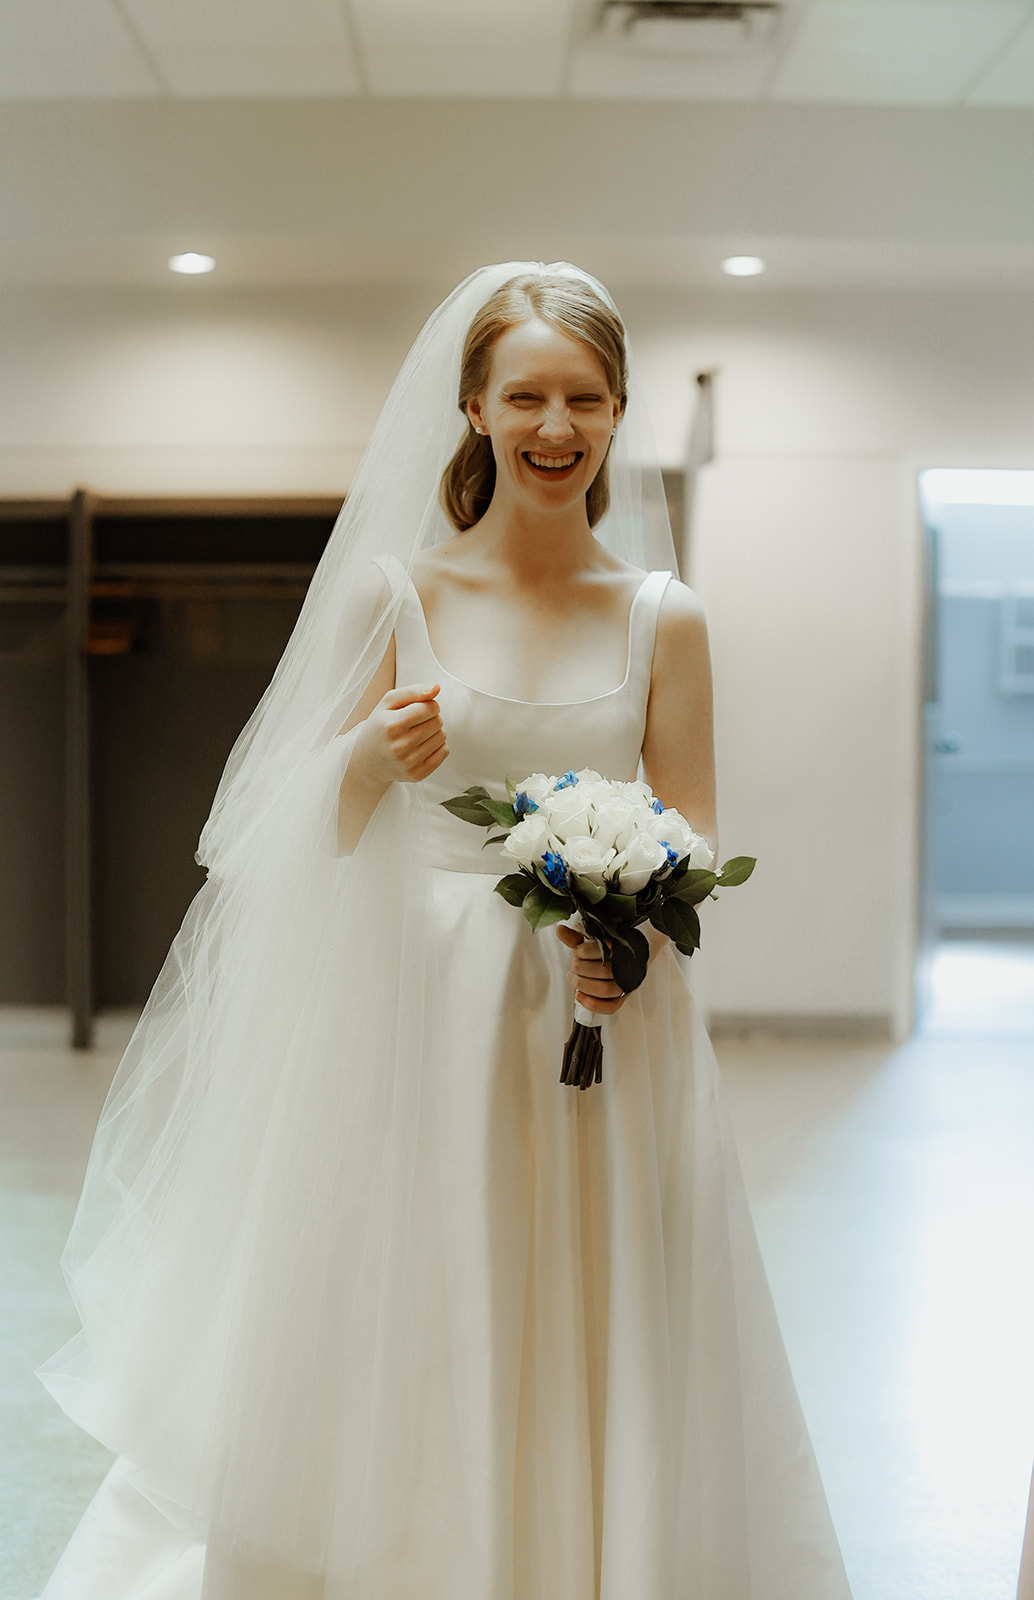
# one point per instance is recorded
(689, 27)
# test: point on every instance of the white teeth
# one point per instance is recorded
(554, 463)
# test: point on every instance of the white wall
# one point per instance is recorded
(806, 553)
(805, 546)
(193, 390)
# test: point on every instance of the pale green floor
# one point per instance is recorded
(894, 1196)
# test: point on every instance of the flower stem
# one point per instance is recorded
(583, 1057)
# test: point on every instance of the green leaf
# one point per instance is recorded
(515, 888)
(511, 788)
(736, 871)
(495, 838)
(629, 960)
(542, 908)
(594, 929)
(619, 907)
(586, 889)
(681, 923)
(501, 811)
(470, 807)
(693, 886)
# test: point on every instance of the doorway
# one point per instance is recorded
(978, 845)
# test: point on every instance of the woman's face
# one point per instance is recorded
(548, 410)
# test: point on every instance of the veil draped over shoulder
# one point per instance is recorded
(258, 1224)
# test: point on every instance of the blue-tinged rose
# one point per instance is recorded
(657, 806)
(555, 870)
(671, 827)
(524, 804)
(568, 780)
(537, 785)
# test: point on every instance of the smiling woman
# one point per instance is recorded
(534, 311)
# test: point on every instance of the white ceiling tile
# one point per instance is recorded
(602, 74)
(248, 47)
(1009, 81)
(918, 52)
(58, 48)
(463, 47)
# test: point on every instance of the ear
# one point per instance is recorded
(475, 414)
(619, 409)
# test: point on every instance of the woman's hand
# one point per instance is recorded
(402, 739)
(591, 976)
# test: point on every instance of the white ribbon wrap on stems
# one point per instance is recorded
(583, 1053)
(582, 1014)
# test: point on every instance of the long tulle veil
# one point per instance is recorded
(250, 1246)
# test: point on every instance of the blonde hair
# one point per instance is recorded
(572, 306)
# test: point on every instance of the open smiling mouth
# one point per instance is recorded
(552, 466)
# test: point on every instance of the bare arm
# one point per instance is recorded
(678, 746)
(678, 763)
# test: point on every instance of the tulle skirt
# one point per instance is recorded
(374, 1308)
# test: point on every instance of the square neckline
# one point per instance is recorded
(509, 700)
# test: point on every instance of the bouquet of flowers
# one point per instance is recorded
(604, 855)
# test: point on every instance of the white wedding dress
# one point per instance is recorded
(574, 1386)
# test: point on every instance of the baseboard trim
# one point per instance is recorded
(864, 1027)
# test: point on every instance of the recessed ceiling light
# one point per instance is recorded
(191, 262)
(743, 266)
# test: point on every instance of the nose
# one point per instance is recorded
(556, 423)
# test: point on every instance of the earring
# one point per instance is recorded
(613, 433)
(479, 430)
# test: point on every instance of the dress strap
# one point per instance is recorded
(394, 571)
(642, 630)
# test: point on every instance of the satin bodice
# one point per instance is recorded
(492, 737)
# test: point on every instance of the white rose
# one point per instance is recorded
(594, 791)
(701, 854)
(590, 858)
(637, 863)
(636, 791)
(672, 828)
(587, 775)
(614, 819)
(567, 812)
(536, 787)
(529, 840)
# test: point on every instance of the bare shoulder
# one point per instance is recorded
(680, 620)
(452, 562)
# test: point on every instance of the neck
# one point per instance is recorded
(535, 547)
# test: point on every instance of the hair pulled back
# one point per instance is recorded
(568, 304)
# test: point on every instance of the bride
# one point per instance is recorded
(373, 1307)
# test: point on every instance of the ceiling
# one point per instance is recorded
(854, 143)
(858, 52)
